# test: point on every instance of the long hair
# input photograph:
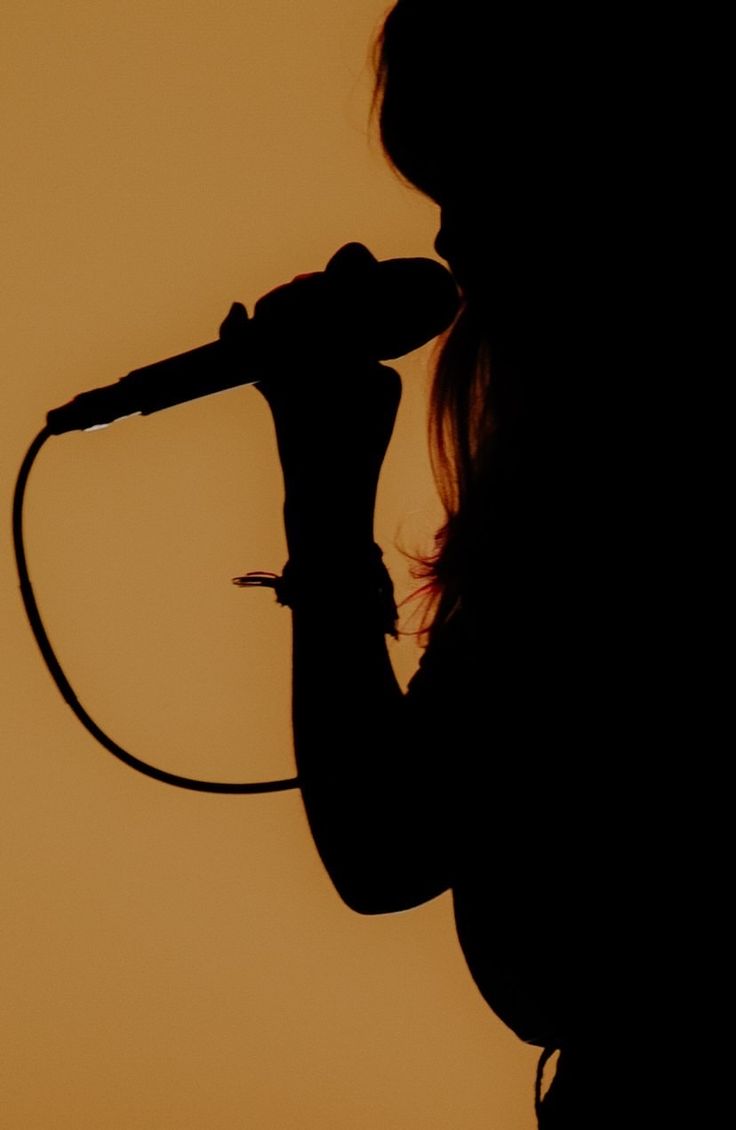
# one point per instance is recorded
(461, 439)
(521, 120)
(421, 133)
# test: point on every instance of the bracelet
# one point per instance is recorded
(294, 582)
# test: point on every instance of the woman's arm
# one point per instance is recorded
(367, 778)
(363, 757)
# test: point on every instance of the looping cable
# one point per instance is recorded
(63, 684)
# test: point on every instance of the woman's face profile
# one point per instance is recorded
(463, 240)
(449, 246)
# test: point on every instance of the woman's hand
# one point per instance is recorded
(334, 414)
(333, 426)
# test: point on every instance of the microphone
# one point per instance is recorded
(358, 306)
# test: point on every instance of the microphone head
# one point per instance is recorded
(359, 306)
(390, 307)
(416, 301)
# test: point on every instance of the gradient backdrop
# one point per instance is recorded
(174, 960)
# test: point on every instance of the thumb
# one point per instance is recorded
(235, 322)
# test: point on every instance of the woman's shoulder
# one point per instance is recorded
(457, 654)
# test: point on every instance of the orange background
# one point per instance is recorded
(174, 960)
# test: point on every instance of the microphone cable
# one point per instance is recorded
(65, 687)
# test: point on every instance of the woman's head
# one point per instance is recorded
(473, 112)
(506, 116)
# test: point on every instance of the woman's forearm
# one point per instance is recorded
(373, 815)
(370, 802)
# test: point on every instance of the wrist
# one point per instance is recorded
(313, 585)
(332, 528)
(362, 581)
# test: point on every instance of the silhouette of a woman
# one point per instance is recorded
(511, 771)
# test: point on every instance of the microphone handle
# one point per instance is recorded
(214, 367)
